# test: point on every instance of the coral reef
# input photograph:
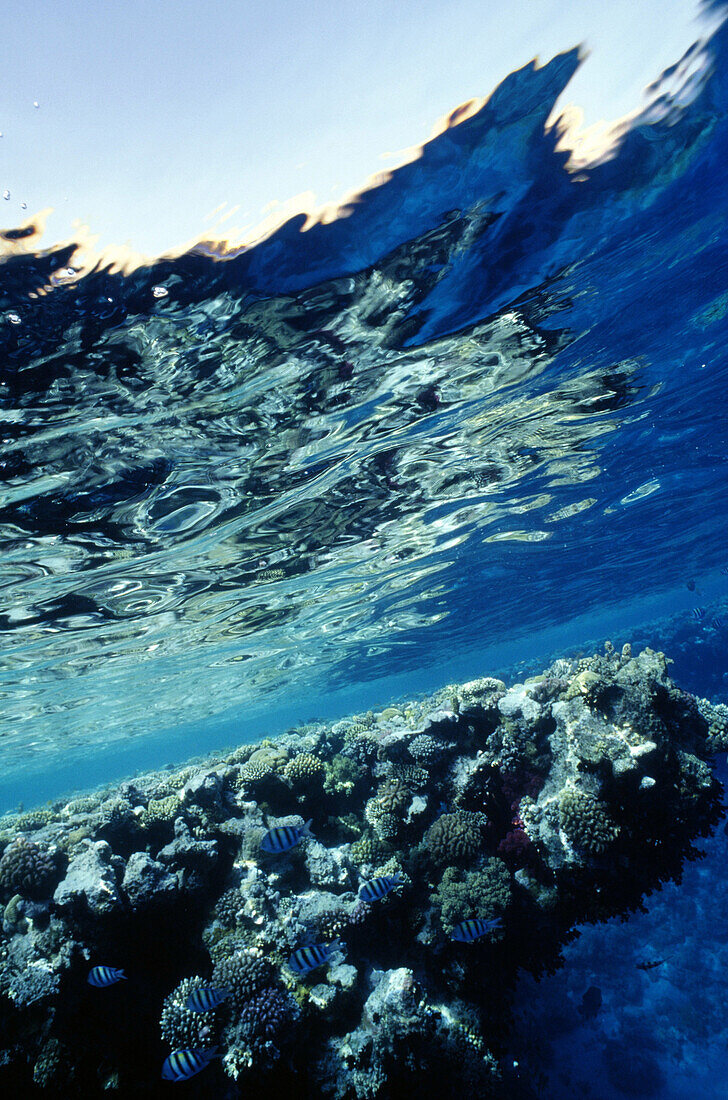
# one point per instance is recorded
(455, 838)
(179, 1025)
(562, 799)
(27, 869)
(465, 894)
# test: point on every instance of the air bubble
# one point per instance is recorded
(6, 195)
(23, 206)
(160, 291)
(14, 318)
(36, 104)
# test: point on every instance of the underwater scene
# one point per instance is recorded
(364, 691)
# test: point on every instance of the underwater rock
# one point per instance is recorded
(90, 883)
(187, 853)
(147, 882)
(327, 867)
(204, 789)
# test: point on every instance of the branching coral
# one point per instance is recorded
(243, 974)
(304, 773)
(180, 1026)
(463, 895)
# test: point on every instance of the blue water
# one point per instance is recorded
(474, 424)
(486, 404)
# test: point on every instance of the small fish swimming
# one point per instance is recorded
(284, 837)
(591, 1003)
(699, 613)
(379, 887)
(650, 964)
(717, 623)
(469, 930)
(206, 998)
(306, 959)
(102, 976)
(182, 1064)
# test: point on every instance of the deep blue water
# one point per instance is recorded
(475, 424)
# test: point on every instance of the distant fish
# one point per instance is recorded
(309, 958)
(102, 976)
(182, 1064)
(724, 570)
(379, 887)
(284, 837)
(691, 588)
(717, 623)
(699, 613)
(469, 930)
(591, 1002)
(650, 964)
(205, 999)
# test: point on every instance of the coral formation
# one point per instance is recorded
(243, 974)
(27, 869)
(462, 895)
(455, 837)
(561, 799)
(179, 1025)
(304, 772)
(585, 821)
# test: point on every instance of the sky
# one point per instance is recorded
(152, 114)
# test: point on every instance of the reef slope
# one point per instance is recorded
(564, 799)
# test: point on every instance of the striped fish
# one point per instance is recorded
(284, 837)
(206, 998)
(308, 958)
(182, 1064)
(717, 623)
(699, 613)
(469, 930)
(378, 888)
(102, 976)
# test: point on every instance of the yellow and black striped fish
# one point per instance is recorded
(102, 976)
(206, 998)
(308, 958)
(379, 887)
(284, 837)
(185, 1063)
(469, 930)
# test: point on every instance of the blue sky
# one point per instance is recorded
(152, 113)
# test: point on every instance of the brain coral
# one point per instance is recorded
(586, 821)
(26, 869)
(462, 895)
(455, 837)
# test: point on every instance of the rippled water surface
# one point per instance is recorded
(486, 399)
